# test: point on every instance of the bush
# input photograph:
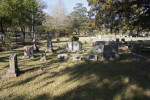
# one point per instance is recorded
(73, 38)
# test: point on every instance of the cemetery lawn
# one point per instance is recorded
(125, 79)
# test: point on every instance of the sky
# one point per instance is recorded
(69, 4)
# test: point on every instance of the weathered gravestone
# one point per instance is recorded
(49, 47)
(74, 46)
(76, 57)
(62, 56)
(110, 51)
(136, 48)
(43, 57)
(35, 48)
(99, 46)
(13, 70)
(28, 52)
(91, 57)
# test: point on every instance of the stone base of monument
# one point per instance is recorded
(74, 46)
(99, 46)
(28, 52)
(91, 57)
(48, 50)
(12, 73)
(62, 57)
(111, 51)
(76, 57)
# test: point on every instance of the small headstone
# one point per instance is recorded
(76, 57)
(43, 57)
(110, 51)
(62, 56)
(99, 46)
(58, 40)
(49, 47)
(74, 46)
(85, 42)
(13, 70)
(28, 52)
(91, 57)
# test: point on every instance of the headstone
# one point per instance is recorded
(117, 40)
(13, 70)
(123, 40)
(76, 57)
(99, 46)
(136, 49)
(28, 52)
(85, 42)
(62, 56)
(49, 47)
(74, 46)
(58, 40)
(110, 51)
(43, 57)
(35, 48)
(91, 57)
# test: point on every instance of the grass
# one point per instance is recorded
(124, 79)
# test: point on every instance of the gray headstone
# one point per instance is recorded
(13, 70)
(28, 52)
(43, 57)
(99, 46)
(58, 40)
(91, 57)
(49, 47)
(110, 51)
(76, 57)
(74, 46)
(62, 56)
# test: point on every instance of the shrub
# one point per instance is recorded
(73, 38)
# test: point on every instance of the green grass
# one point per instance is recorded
(125, 79)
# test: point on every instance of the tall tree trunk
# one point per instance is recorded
(23, 33)
(1, 25)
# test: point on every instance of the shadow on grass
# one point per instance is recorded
(124, 79)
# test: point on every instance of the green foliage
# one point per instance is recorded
(73, 38)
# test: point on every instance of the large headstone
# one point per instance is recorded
(13, 70)
(76, 57)
(99, 46)
(91, 57)
(74, 46)
(117, 40)
(43, 57)
(110, 51)
(49, 47)
(28, 52)
(62, 56)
